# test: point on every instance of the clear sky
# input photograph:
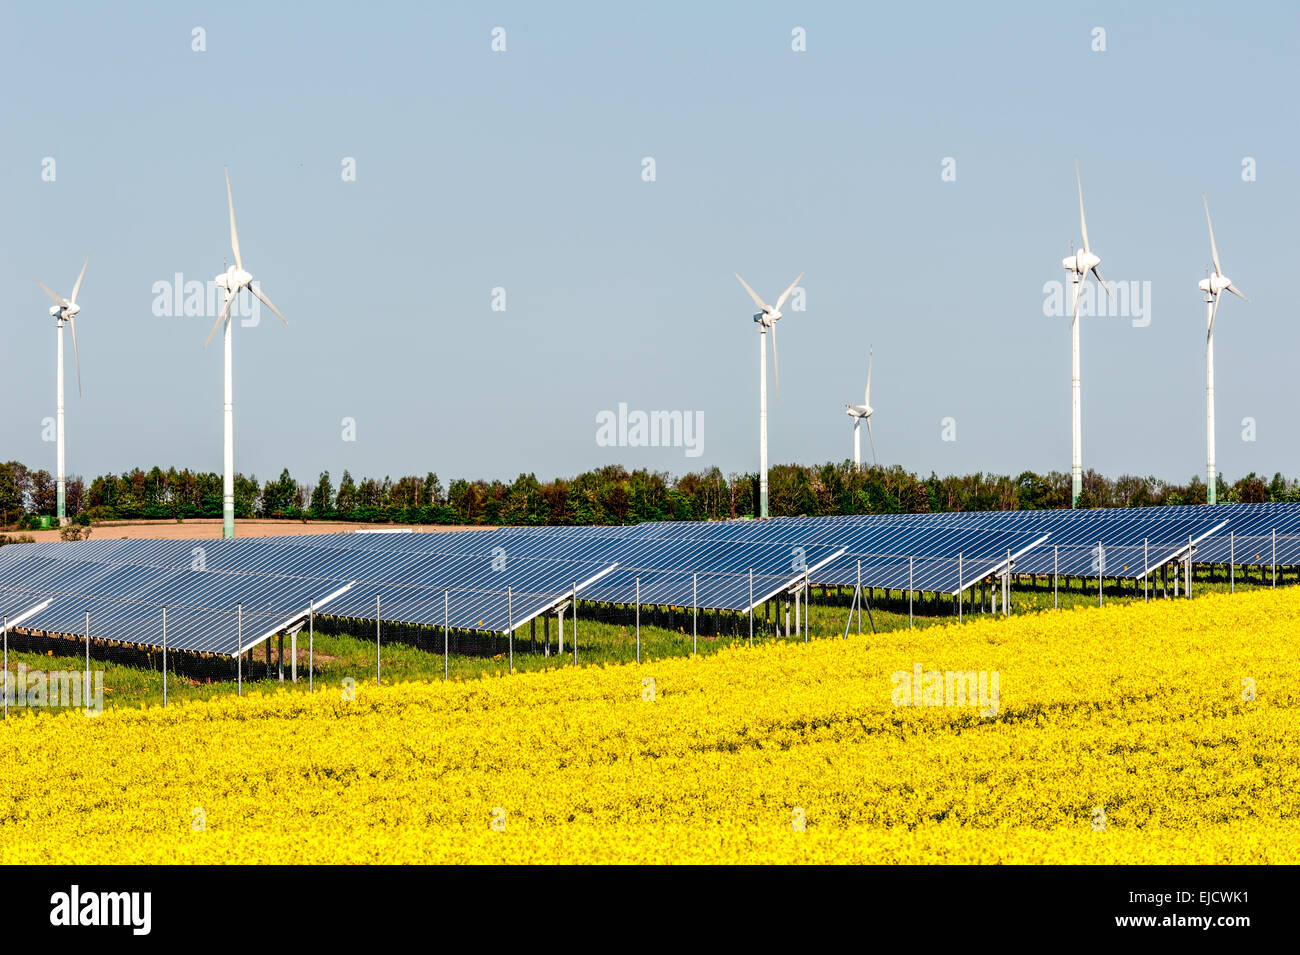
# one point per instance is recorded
(523, 170)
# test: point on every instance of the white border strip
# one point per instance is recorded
(999, 566)
(797, 580)
(292, 620)
(547, 608)
(26, 614)
(1181, 550)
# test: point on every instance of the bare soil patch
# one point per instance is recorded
(210, 528)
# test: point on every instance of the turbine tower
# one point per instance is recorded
(766, 318)
(860, 413)
(64, 311)
(1213, 287)
(233, 280)
(1079, 265)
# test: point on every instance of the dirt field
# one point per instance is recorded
(205, 528)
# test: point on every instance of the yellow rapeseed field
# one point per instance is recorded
(1149, 733)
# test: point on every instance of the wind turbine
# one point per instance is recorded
(1079, 264)
(860, 413)
(766, 318)
(1213, 287)
(64, 311)
(233, 280)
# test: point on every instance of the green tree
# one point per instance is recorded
(322, 498)
(345, 503)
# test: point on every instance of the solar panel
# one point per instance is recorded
(1248, 536)
(124, 594)
(663, 567)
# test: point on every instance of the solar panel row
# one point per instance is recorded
(226, 594)
(219, 593)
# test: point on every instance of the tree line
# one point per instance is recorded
(607, 495)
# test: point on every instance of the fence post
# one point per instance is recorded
(751, 606)
(1006, 588)
(510, 627)
(1275, 558)
(87, 648)
(311, 645)
(798, 620)
(239, 649)
(1146, 571)
(960, 587)
(1101, 558)
(1056, 564)
(695, 614)
(164, 611)
(1188, 580)
(575, 623)
(909, 593)
(1232, 563)
(5, 689)
(638, 620)
(857, 597)
(446, 615)
(807, 606)
(376, 640)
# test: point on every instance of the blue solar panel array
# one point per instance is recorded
(712, 574)
(223, 595)
(1133, 541)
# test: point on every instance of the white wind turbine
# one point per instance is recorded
(64, 311)
(233, 280)
(1079, 264)
(1213, 287)
(860, 413)
(766, 318)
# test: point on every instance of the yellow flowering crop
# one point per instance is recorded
(1163, 732)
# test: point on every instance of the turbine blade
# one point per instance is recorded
(234, 233)
(776, 362)
(77, 288)
(786, 294)
(872, 439)
(867, 400)
(267, 302)
(58, 300)
(1237, 292)
(752, 294)
(1214, 250)
(230, 297)
(1100, 281)
(1083, 221)
(72, 324)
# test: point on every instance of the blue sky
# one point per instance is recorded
(523, 170)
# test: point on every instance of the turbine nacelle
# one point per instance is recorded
(1081, 262)
(858, 411)
(234, 279)
(767, 319)
(1214, 284)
